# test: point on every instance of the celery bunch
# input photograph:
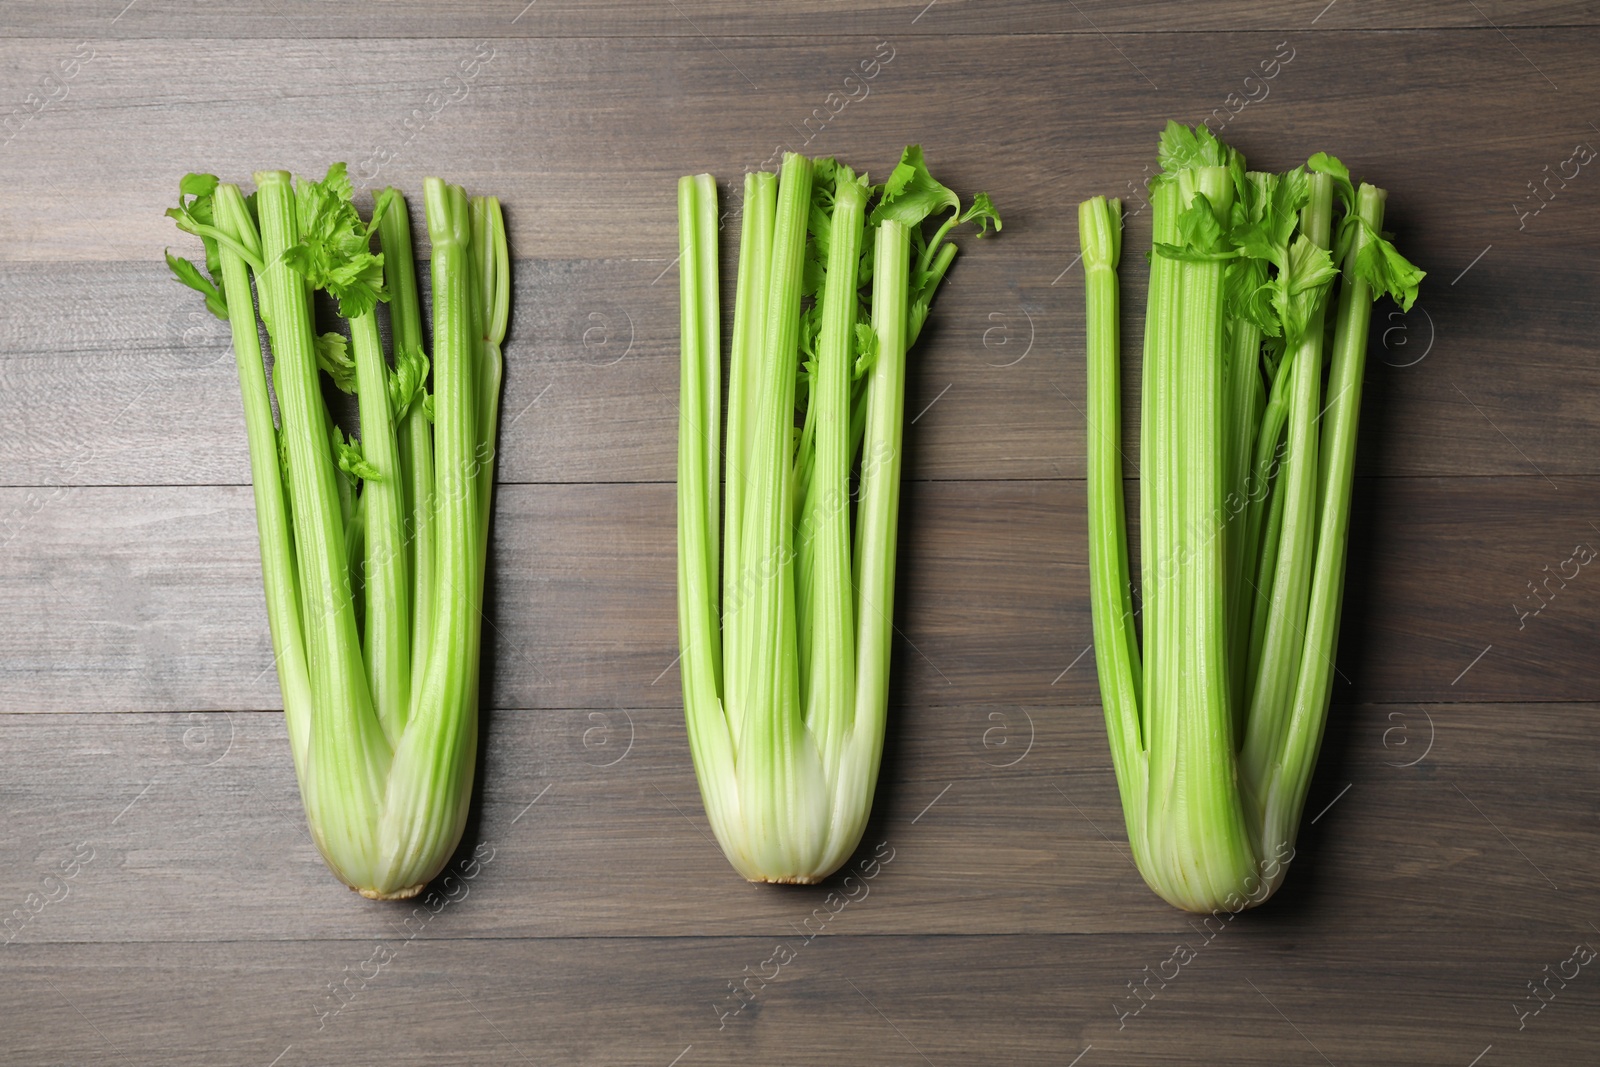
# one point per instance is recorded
(785, 646)
(372, 548)
(1250, 399)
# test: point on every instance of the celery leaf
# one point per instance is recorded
(190, 275)
(333, 252)
(195, 215)
(982, 212)
(1322, 163)
(1183, 147)
(333, 356)
(1303, 287)
(406, 381)
(351, 459)
(1381, 266)
(912, 194)
(864, 348)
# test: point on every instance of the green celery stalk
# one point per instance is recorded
(278, 569)
(1283, 637)
(414, 433)
(1282, 798)
(779, 779)
(711, 741)
(345, 794)
(878, 516)
(372, 553)
(827, 633)
(430, 785)
(1214, 725)
(785, 675)
(1194, 818)
(386, 585)
(749, 328)
(1111, 602)
(491, 281)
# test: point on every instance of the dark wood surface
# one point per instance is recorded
(1452, 858)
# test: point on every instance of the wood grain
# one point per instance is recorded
(997, 819)
(590, 174)
(997, 384)
(893, 1000)
(813, 18)
(163, 607)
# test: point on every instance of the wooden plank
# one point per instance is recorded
(112, 374)
(1489, 544)
(994, 820)
(1317, 996)
(147, 599)
(696, 18)
(133, 601)
(590, 172)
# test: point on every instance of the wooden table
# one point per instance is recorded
(1451, 859)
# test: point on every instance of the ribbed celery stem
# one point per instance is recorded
(1263, 521)
(1157, 464)
(749, 327)
(348, 755)
(1116, 648)
(1285, 791)
(387, 622)
(430, 786)
(266, 479)
(1200, 846)
(776, 759)
(414, 433)
(829, 692)
(710, 741)
(1293, 550)
(491, 271)
(877, 531)
(1245, 400)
